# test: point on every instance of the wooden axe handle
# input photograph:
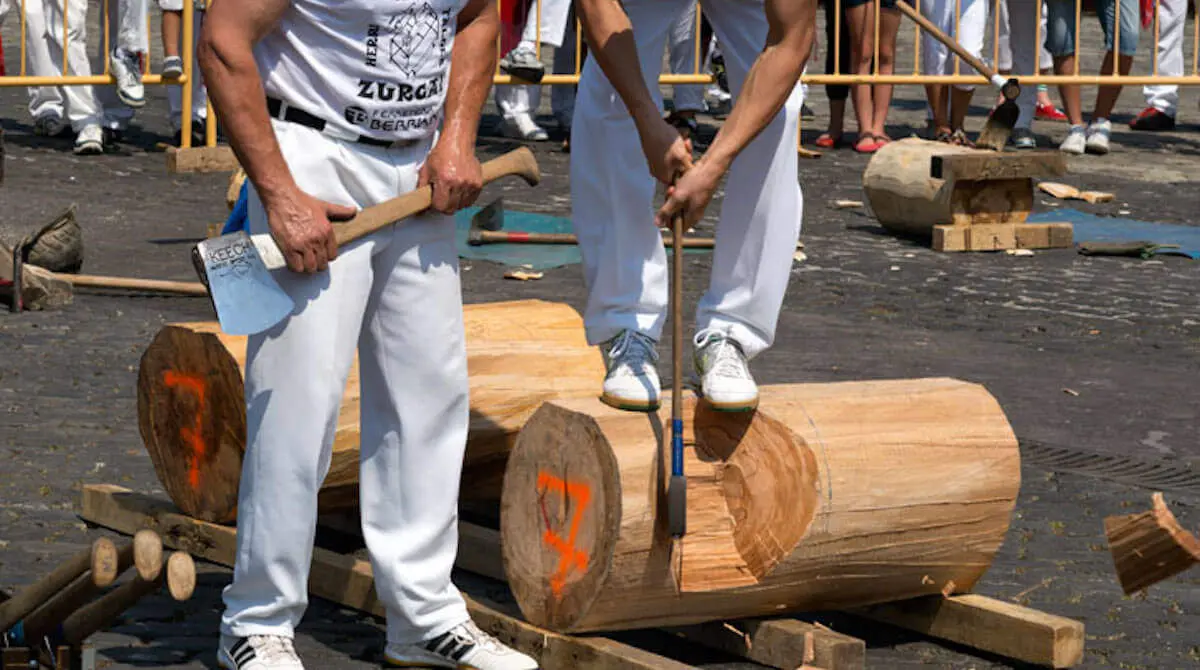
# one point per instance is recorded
(21, 604)
(950, 43)
(519, 162)
(133, 284)
(180, 577)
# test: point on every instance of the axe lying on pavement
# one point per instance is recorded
(487, 225)
(236, 267)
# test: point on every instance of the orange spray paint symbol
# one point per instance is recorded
(193, 436)
(569, 556)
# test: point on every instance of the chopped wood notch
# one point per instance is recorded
(1149, 547)
(201, 159)
(981, 165)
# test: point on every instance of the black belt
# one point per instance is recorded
(299, 116)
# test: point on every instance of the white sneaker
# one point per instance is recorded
(632, 379)
(523, 63)
(1076, 142)
(523, 127)
(725, 379)
(89, 141)
(465, 647)
(172, 67)
(257, 652)
(128, 72)
(1097, 136)
(49, 125)
(1022, 138)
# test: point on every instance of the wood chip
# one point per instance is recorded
(1068, 192)
(948, 589)
(523, 275)
(847, 204)
(799, 257)
(926, 580)
(1071, 392)
(1019, 252)
(1097, 196)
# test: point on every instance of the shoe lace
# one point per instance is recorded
(725, 355)
(469, 632)
(632, 350)
(131, 73)
(273, 648)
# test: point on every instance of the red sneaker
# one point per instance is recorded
(1048, 112)
(1152, 119)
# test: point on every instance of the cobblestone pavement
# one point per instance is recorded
(1096, 355)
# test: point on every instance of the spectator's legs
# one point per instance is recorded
(82, 108)
(1107, 96)
(681, 46)
(861, 21)
(889, 25)
(1172, 15)
(1060, 34)
(199, 93)
(935, 60)
(45, 102)
(1021, 15)
(837, 61)
(562, 98)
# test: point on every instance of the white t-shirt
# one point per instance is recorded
(367, 67)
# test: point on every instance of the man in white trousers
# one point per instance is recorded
(199, 109)
(330, 106)
(766, 44)
(519, 103)
(1162, 100)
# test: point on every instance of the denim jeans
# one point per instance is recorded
(1061, 25)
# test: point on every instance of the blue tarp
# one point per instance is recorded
(1092, 228)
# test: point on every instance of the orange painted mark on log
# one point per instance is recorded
(578, 493)
(193, 436)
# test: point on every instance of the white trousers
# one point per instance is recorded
(681, 52)
(1005, 57)
(395, 297)
(199, 92)
(612, 192)
(1172, 15)
(559, 32)
(44, 50)
(1023, 15)
(126, 20)
(970, 30)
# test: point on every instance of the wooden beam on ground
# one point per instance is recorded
(986, 165)
(1000, 236)
(989, 625)
(201, 159)
(778, 643)
(349, 581)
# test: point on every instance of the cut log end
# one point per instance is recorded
(751, 495)
(1149, 547)
(192, 419)
(104, 562)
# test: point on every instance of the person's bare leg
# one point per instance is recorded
(1107, 96)
(1072, 100)
(837, 121)
(960, 104)
(1043, 95)
(936, 94)
(172, 27)
(862, 47)
(889, 25)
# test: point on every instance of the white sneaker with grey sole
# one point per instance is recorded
(172, 67)
(465, 647)
(523, 63)
(632, 379)
(725, 379)
(1076, 142)
(127, 70)
(523, 127)
(257, 652)
(1098, 135)
(90, 141)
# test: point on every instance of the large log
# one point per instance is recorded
(914, 185)
(192, 414)
(829, 496)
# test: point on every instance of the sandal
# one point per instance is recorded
(830, 141)
(959, 139)
(944, 136)
(867, 144)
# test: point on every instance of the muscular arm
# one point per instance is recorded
(609, 35)
(451, 167)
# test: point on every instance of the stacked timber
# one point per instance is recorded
(192, 413)
(828, 496)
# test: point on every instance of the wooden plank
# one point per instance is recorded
(989, 625)
(986, 165)
(349, 581)
(999, 236)
(780, 643)
(201, 159)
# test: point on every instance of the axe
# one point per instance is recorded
(236, 267)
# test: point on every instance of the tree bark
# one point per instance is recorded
(829, 496)
(192, 414)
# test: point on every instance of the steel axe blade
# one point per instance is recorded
(237, 267)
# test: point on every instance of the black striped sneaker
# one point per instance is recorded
(258, 652)
(464, 647)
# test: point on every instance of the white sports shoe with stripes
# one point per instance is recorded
(258, 652)
(464, 647)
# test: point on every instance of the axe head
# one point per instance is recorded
(244, 294)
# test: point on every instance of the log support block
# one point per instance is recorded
(201, 159)
(1001, 236)
(914, 186)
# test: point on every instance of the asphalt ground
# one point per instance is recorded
(1091, 357)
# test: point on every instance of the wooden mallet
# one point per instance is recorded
(179, 577)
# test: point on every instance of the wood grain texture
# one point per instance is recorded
(1150, 546)
(895, 488)
(989, 625)
(1001, 236)
(192, 415)
(349, 581)
(779, 643)
(981, 165)
(201, 159)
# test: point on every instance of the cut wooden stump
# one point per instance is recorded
(192, 412)
(989, 625)
(934, 190)
(201, 159)
(349, 581)
(1149, 547)
(829, 496)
